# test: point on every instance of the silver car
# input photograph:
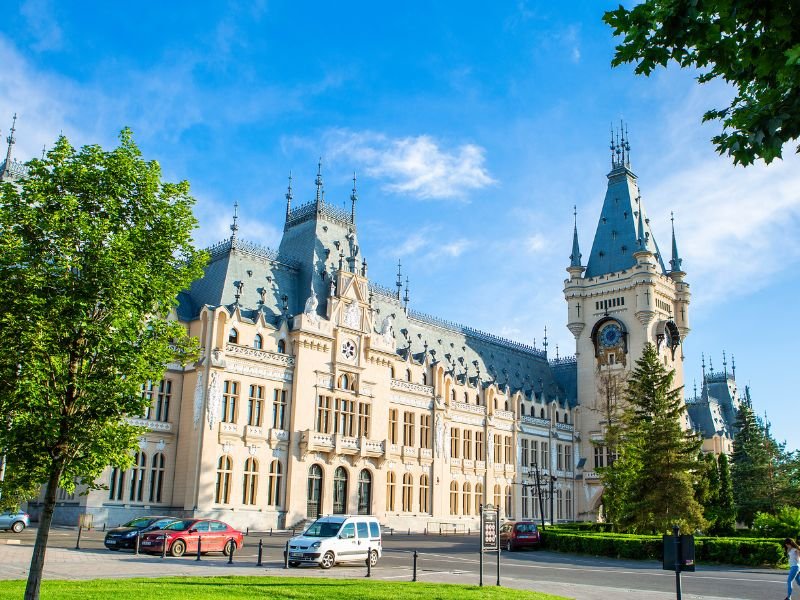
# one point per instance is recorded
(15, 520)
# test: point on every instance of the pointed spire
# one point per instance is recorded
(235, 225)
(353, 198)
(405, 296)
(703, 363)
(724, 364)
(545, 340)
(613, 146)
(399, 283)
(575, 257)
(675, 263)
(733, 366)
(289, 197)
(318, 183)
(642, 234)
(11, 141)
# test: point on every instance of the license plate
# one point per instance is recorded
(296, 554)
(111, 542)
(147, 543)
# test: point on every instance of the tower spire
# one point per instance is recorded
(675, 262)
(318, 183)
(399, 283)
(235, 225)
(353, 198)
(733, 366)
(703, 363)
(11, 141)
(545, 344)
(575, 257)
(289, 197)
(724, 364)
(405, 295)
(642, 233)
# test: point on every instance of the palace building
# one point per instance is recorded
(319, 391)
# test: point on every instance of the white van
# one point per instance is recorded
(337, 538)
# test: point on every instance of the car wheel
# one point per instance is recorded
(18, 526)
(373, 558)
(509, 546)
(230, 546)
(327, 560)
(294, 563)
(178, 548)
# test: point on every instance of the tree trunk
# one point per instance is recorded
(39, 548)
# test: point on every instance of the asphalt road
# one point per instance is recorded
(456, 557)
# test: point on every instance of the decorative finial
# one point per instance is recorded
(733, 366)
(724, 363)
(399, 283)
(675, 262)
(318, 183)
(44, 152)
(405, 296)
(545, 340)
(556, 351)
(703, 363)
(695, 388)
(711, 365)
(235, 225)
(239, 287)
(11, 141)
(353, 198)
(613, 146)
(289, 196)
(575, 257)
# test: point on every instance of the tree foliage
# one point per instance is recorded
(753, 45)
(725, 517)
(751, 467)
(94, 249)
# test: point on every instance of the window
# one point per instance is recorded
(545, 456)
(363, 420)
(509, 502)
(137, 477)
(222, 492)
(117, 484)
(148, 391)
(281, 346)
(347, 382)
(255, 405)
(599, 453)
(393, 425)
(408, 492)
(466, 398)
(455, 441)
(522, 409)
(424, 379)
(525, 493)
(314, 494)
(568, 507)
(408, 374)
(477, 399)
(340, 491)
(323, 414)
(509, 451)
(467, 446)
(453, 498)
(524, 452)
(274, 483)
(425, 431)
(161, 412)
(498, 451)
(466, 499)
(390, 483)
(452, 395)
(258, 342)
(156, 478)
(535, 453)
(567, 457)
(479, 455)
(344, 416)
(559, 505)
(230, 397)
(541, 413)
(424, 494)
(478, 497)
(408, 428)
(560, 456)
(497, 496)
(233, 336)
(364, 492)
(279, 409)
(250, 483)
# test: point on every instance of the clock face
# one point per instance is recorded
(610, 335)
(348, 349)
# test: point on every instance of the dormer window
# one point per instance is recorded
(408, 374)
(281, 346)
(258, 342)
(424, 379)
(233, 336)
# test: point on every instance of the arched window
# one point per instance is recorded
(258, 342)
(424, 379)
(233, 336)
(477, 399)
(509, 502)
(568, 496)
(390, 484)
(137, 477)
(466, 398)
(364, 492)
(391, 372)
(408, 492)
(521, 409)
(250, 482)
(222, 492)
(156, 478)
(452, 395)
(281, 346)
(497, 496)
(478, 497)
(424, 494)
(117, 484)
(541, 413)
(344, 382)
(453, 498)
(340, 491)
(314, 497)
(408, 374)
(566, 417)
(274, 483)
(506, 404)
(466, 498)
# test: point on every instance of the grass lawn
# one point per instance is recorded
(202, 588)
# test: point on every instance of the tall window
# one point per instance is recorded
(148, 393)
(222, 492)
(163, 399)
(408, 428)
(258, 342)
(524, 452)
(567, 457)
(393, 425)
(559, 505)
(525, 511)
(364, 492)
(498, 450)
(467, 446)
(466, 499)
(390, 484)
(156, 478)
(453, 498)
(535, 453)
(455, 441)
(497, 496)
(340, 491)
(314, 496)
(233, 336)
(568, 498)
(509, 454)
(137, 477)
(509, 502)
(279, 409)
(345, 416)
(599, 454)
(117, 484)
(255, 405)
(230, 398)
(274, 483)
(250, 483)
(323, 414)
(424, 494)
(281, 346)
(408, 492)
(478, 497)
(479, 455)
(424, 431)
(559, 456)
(363, 420)
(545, 456)
(408, 374)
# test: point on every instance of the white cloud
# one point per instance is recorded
(416, 165)
(454, 249)
(39, 16)
(536, 243)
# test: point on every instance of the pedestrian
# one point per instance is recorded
(793, 552)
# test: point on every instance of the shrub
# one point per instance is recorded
(786, 523)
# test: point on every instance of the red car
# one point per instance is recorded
(182, 537)
(519, 534)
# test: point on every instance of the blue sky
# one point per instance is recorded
(474, 128)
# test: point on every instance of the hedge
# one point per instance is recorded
(734, 551)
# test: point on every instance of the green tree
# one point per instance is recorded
(751, 467)
(706, 488)
(788, 479)
(94, 249)
(663, 455)
(753, 45)
(726, 507)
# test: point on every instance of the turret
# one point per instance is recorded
(575, 268)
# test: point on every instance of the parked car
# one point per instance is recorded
(124, 536)
(334, 539)
(15, 520)
(519, 534)
(182, 536)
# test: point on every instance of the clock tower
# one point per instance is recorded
(622, 299)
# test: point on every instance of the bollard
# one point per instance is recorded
(369, 561)
(231, 553)
(164, 546)
(286, 556)
(293, 534)
(469, 531)
(136, 545)
(409, 531)
(426, 530)
(104, 526)
(415, 566)
(260, 552)
(199, 546)
(78, 541)
(391, 531)
(270, 532)
(248, 531)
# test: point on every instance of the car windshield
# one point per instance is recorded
(525, 528)
(140, 522)
(323, 529)
(180, 525)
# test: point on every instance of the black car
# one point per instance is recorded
(125, 535)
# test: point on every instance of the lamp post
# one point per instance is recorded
(552, 482)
